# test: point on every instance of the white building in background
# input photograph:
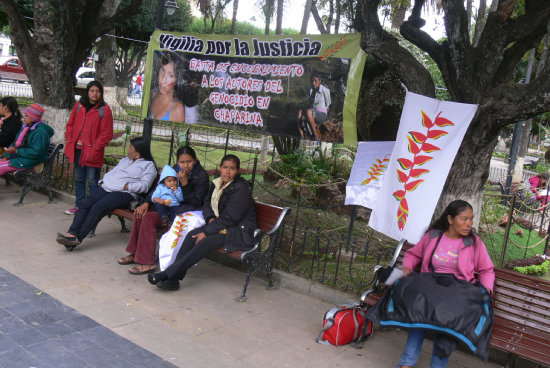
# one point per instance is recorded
(5, 45)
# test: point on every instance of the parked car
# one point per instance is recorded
(11, 69)
(84, 76)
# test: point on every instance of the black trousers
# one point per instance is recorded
(190, 253)
(93, 207)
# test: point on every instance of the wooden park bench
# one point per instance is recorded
(269, 219)
(38, 177)
(521, 310)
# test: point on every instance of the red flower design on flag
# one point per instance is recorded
(378, 167)
(418, 147)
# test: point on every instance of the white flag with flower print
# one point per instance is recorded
(430, 133)
(367, 173)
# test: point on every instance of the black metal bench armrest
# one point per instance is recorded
(279, 221)
(376, 280)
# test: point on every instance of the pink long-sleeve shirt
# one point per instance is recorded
(472, 258)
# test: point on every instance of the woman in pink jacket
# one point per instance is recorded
(88, 131)
(449, 246)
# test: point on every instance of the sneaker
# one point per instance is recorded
(72, 211)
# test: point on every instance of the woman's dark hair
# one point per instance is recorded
(85, 100)
(179, 69)
(453, 209)
(186, 150)
(233, 158)
(142, 148)
(12, 105)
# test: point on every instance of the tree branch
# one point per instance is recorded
(510, 103)
(20, 35)
(105, 24)
(317, 18)
(534, 21)
(375, 40)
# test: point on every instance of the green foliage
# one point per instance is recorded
(542, 167)
(140, 27)
(535, 270)
(26, 9)
(242, 28)
(318, 169)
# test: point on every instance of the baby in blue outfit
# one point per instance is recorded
(167, 196)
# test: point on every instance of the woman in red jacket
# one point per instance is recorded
(89, 129)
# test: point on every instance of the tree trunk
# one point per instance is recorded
(305, 18)
(269, 6)
(105, 67)
(480, 75)
(469, 6)
(234, 18)
(105, 72)
(280, 12)
(398, 15)
(544, 59)
(338, 13)
(480, 21)
(61, 40)
(317, 18)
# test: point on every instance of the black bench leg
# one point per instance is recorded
(511, 361)
(24, 192)
(270, 285)
(50, 196)
(242, 298)
(8, 180)
(123, 228)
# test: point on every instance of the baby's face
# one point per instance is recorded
(170, 181)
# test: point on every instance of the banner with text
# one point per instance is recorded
(301, 85)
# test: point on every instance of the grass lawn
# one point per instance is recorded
(518, 247)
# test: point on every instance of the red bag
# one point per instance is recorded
(345, 324)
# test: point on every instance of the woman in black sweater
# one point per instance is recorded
(230, 223)
(10, 124)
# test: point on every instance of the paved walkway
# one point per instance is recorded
(82, 309)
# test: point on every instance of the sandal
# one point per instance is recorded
(129, 259)
(141, 270)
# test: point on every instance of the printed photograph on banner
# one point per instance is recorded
(285, 87)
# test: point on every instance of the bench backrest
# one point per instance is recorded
(52, 154)
(521, 299)
(269, 217)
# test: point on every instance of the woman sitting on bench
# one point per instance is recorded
(133, 176)
(230, 223)
(193, 181)
(31, 145)
(449, 246)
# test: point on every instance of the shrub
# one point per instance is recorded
(536, 260)
(535, 270)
